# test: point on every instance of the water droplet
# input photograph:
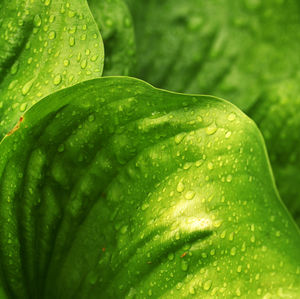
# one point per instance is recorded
(12, 84)
(145, 206)
(229, 178)
(14, 68)
(238, 292)
(93, 278)
(23, 107)
(94, 58)
(37, 21)
(210, 166)
(207, 285)
(108, 22)
(171, 256)
(211, 129)
(61, 148)
(228, 134)
(57, 79)
(178, 138)
(231, 116)
(180, 186)
(199, 163)
(190, 195)
(123, 230)
(192, 290)
(127, 22)
(51, 18)
(71, 13)
(184, 265)
(52, 34)
(233, 251)
(83, 63)
(72, 41)
(91, 118)
(27, 86)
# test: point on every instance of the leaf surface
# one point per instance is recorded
(245, 51)
(116, 27)
(44, 46)
(114, 189)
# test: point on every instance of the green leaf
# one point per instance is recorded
(113, 188)
(116, 27)
(277, 113)
(238, 50)
(44, 46)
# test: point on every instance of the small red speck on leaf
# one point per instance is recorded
(183, 255)
(16, 127)
(103, 249)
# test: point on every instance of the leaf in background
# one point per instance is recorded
(120, 190)
(44, 46)
(115, 24)
(238, 50)
(278, 114)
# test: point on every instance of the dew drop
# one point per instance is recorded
(12, 84)
(83, 64)
(61, 148)
(231, 116)
(108, 22)
(127, 22)
(145, 206)
(192, 290)
(71, 13)
(233, 251)
(52, 34)
(190, 195)
(57, 79)
(27, 86)
(123, 230)
(72, 41)
(180, 186)
(14, 68)
(228, 134)
(91, 118)
(211, 130)
(171, 256)
(94, 58)
(23, 107)
(184, 265)
(207, 285)
(199, 163)
(229, 178)
(37, 21)
(179, 138)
